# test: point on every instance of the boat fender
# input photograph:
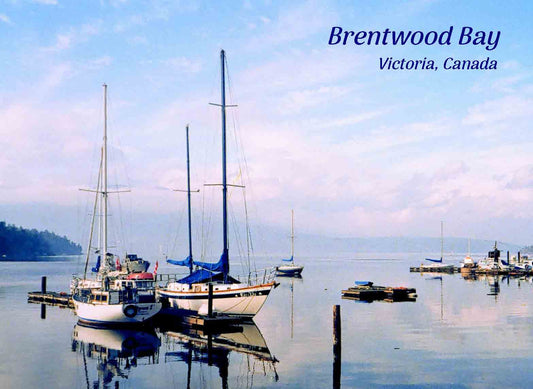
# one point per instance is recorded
(130, 310)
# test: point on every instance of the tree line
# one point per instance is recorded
(17, 243)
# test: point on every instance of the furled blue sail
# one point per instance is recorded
(185, 262)
(198, 276)
(291, 259)
(97, 267)
(434, 260)
(364, 283)
(222, 265)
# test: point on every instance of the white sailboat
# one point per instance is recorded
(438, 265)
(468, 263)
(290, 269)
(230, 296)
(115, 295)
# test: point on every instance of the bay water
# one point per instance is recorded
(458, 333)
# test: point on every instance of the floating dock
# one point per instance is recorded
(435, 269)
(60, 299)
(470, 270)
(371, 292)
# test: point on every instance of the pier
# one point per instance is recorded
(60, 299)
(470, 270)
(434, 269)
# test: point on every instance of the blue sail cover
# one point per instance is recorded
(505, 263)
(185, 262)
(97, 267)
(198, 276)
(291, 259)
(434, 260)
(221, 266)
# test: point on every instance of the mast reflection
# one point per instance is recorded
(116, 352)
(213, 348)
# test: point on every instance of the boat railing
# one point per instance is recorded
(262, 276)
(168, 277)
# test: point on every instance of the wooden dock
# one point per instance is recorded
(386, 293)
(60, 299)
(431, 269)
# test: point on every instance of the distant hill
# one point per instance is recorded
(17, 243)
(306, 244)
(528, 249)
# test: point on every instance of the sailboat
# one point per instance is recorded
(468, 263)
(438, 265)
(290, 269)
(230, 296)
(117, 295)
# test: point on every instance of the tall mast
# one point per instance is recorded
(225, 252)
(292, 234)
(441, 241)
(104, 181)
(189, 199)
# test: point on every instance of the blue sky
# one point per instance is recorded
(355, 150)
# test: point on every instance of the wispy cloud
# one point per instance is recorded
(45, 2)
(183, 64)
(5, 19)
(294, 23)
(74, 36)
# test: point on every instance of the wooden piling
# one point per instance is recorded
(43, 311)
(210, 301)
(43, 284)
(336, 346)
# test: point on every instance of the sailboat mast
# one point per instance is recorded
(441, 240)
(292, 234)
(224, 182)
(189, 199)
(104, 181)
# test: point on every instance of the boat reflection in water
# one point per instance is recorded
(494, 280)
(195, 346)
(116, 351)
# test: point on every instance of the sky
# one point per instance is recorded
(356, 151)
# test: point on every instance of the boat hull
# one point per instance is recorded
(234, 300)
(115, 313)
(289, 270)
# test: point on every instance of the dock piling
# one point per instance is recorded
(210, 301)
(336, 346)
(43, 284)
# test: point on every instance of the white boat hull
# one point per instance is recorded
(230, 299)
(98, 313)
(289, 270)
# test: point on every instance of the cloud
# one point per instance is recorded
(499, 110)
(183, 64)
(46, 2)
(4, 18)
(74, 36)
(521, 179)
(295, 101)
(293, 24)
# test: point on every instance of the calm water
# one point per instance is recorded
(458, 333)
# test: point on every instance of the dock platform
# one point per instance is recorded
(386, 293)
(60, 299)
(432, 269)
